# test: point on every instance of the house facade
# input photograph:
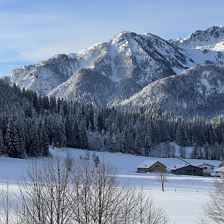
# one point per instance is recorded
(151, 167)
(180, 167)
(188, 170)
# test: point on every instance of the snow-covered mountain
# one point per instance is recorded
(210, 39)
(45, 76)
(105, 72)
(127, 69)
(204, 46)
(195, 91)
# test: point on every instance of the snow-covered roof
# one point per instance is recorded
(178, 166)
(176, 163)
(148, 163)
(220, 169)
(200, 162)
(184, 163)
(206, 164)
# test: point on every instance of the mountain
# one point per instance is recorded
(43, 77)
(118, 68)
(195, 91)
(204, 46)
(131, 67)
(209, 39)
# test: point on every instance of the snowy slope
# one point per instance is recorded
(42, 77)
(204, 46)
(198, 90)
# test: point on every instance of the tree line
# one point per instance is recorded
(30, 123)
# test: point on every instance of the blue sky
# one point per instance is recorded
(33, 30)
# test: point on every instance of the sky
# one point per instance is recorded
(34, 30)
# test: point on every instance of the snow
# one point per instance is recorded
(220, 169)
(191, 192)
(208, 86)
(182, 207)
(211, 39)
(147, 163)
(184, 105)
(71, 55)
(205, 82)
(201, 57)
(219, 46)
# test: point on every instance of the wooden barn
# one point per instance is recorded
(151, 167)
(187, 169)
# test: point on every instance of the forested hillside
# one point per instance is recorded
(30, 123)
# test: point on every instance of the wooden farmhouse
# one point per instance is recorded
(179, 166)
(151, 167)
(187, 169)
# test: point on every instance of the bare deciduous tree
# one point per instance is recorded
(162, 179)
(62, 191)
(146, 213)
(215, 208)
(107, 202)
(8, 206)
(46, 193)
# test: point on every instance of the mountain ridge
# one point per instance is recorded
(195, 91)
(114, 72)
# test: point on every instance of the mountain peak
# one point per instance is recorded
(126, 66)
(212, 39)
(214, 31)
(124, 35)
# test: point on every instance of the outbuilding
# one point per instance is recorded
(207, 168)
(151, 167)
(187, 169)
(219, 172)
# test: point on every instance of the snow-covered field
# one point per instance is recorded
(184, 196)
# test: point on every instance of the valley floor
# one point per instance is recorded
(183, 199)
